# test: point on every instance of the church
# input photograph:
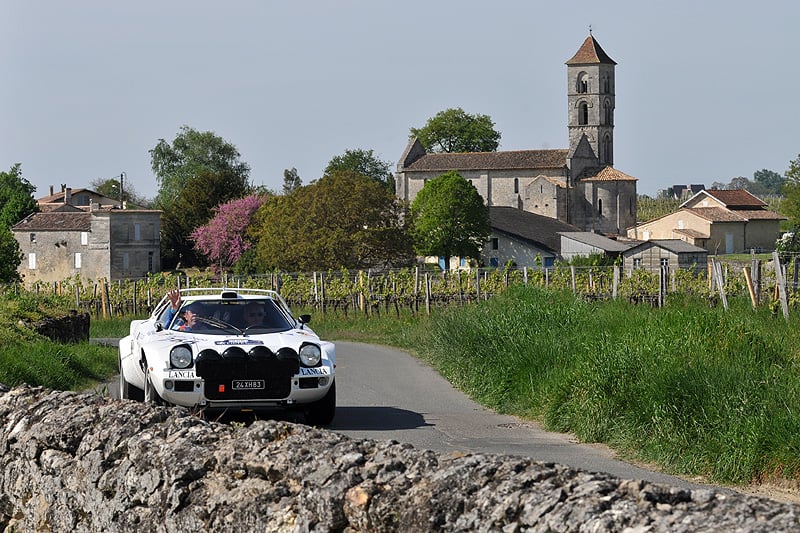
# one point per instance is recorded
(578, 185)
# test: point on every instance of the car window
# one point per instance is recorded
(226, 317)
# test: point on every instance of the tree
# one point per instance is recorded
(10, 256)
(191, 153)
(769, 180)
(196, 173)
(16, 197)
(449, 218)
(222, 240)
(790, 207)
(111, 188)
(342, 220)
(291, 181)
(453, 130)
(364, 162)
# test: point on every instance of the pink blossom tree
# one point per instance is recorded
(222, 241)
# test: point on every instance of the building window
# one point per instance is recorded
(84, 238)
(125, 261)
(607, 114)
(495, 243)
(664, 261)
(637, 262)
(31, 261)
(607, 149)
(600, 206)
(150, 261)
(583, 83)
(516, 185)
(583, 114)
(77, 259)
(137, 232)
(606, 85)
(494, 262)
(33, 238)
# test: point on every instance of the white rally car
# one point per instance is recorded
(229, 350)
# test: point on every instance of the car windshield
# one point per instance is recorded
(226, 317)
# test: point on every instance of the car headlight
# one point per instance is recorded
(180, 356)
(310, 354)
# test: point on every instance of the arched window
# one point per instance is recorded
(606, 85)
(583, 113)
(582, 85)
(606, 149)
(608, 113)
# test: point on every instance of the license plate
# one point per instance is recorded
(247, 384)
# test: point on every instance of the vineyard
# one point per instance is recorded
(377, 293)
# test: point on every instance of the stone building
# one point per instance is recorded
(578, 185)
(95, 241)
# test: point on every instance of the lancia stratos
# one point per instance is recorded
(229, 350)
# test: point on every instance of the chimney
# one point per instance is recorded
(51, 190)
(68, 195)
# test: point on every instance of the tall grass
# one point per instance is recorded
(698, 390)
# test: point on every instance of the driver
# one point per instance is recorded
(187, 317)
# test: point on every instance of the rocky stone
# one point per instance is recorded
(85, 462)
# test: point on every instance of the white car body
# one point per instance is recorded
(222, 365)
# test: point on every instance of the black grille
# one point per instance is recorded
(259, 374)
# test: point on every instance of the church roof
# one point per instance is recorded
(514, 159)
(590, 52)
(605, 174)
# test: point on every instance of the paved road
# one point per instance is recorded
(386, 394)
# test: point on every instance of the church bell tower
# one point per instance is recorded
(590, 82)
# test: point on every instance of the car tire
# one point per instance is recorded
(150, 393)
(128, 391)
(321, 412)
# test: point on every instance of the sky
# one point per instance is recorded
(705, 91)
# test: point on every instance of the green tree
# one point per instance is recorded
(364, 162)
(771, 181)
(790, 207)
(449, 218)
(291, 181)
(454, 130)
(10, 256)
(111, 187)
(16, 202)
(344, 219)
(16, 197)
(191, 153)
(196, 173)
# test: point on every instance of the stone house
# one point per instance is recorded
(578, 185)
(672, 253)
(526, 239)
(720, 221)
(94, 241)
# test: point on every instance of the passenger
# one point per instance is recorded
(254, 314)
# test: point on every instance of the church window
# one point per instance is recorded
(495, 243)
(606, 149)
(583, 83)
(608, 115)
(516, 185)
(606, 85)
(583, 113)
(600, 207)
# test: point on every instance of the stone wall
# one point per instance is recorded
(72, 328)
(85, 462)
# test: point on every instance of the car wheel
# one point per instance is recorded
(321, 412)
(128, 391)
(150, 393)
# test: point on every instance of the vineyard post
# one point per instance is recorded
(77, 297)
(780, 282)
(416, 289)
(720, 282)
(322, 292)
(615, 281)
(104, 298)
(750, 289)
(135, 299)
(361, 291)
(663, 274)
(427, 294)
(755, 272)
(525, 275)
(477, 284)
(572, 274)
(316, 290)
(794, 278)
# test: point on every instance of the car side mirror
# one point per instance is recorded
(159, 326)
(304, 319)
